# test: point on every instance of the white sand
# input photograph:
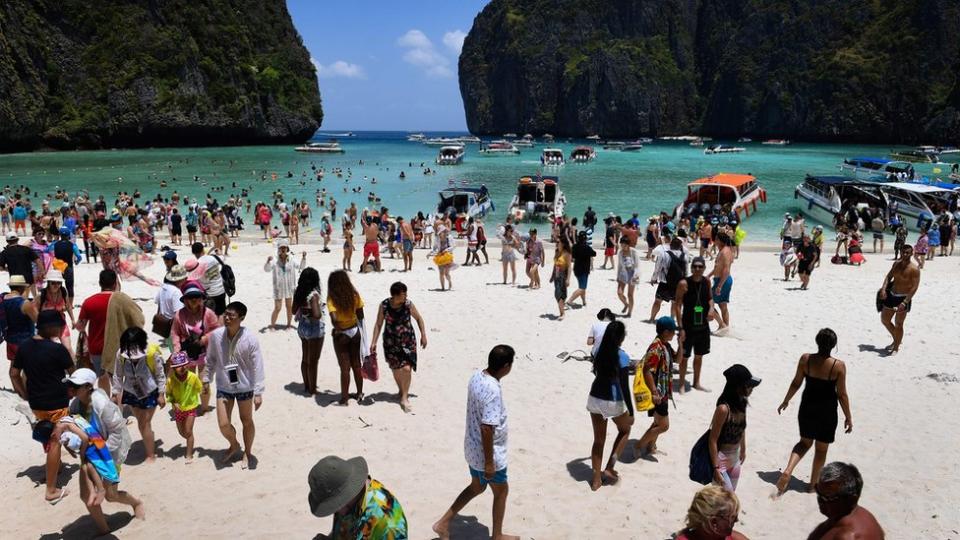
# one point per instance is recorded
(904, 438)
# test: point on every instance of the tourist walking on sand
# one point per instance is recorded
(207, 268)
(140, 382)
(693, 307)
(371, 244)
(560, 277)
(597, 329)
(92, 320)
(838, 495)
(406, 241)
(670, 266)
(399, 340)
(610, 399)
(826, 386)
(183, 394)
(808, 255)
(610, 239)
(235, 361)
(283, 272)
(712, 515)
(627, 265)
(535, 259)
(20, 315)
(168, 303)
(107, 420)
(346, 314)
(361, 506)
(442, 254)
(18, 260)
(485, 443)
(656, 369)
(37, 373)
(722, 280)
(190, 333)
(728, 428)
(308, 307)
(347, 262)
(895, 296)
(509, 253)
(583, 256)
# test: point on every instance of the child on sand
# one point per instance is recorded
(183, 393)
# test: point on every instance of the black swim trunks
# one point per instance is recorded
(697, 343)
(663, 409)
(893, 301)
(665, 292)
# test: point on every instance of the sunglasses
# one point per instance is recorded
(826, 499)
(698, 266)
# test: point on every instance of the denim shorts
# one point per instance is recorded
(239, 396)
(310, 328)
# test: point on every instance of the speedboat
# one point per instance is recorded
(416, 137)
(593, 137)
(697, 142)
(509, 135)
(644, 140)
(442, 141)
(472, 201)
(614, 145)
(740, 191)
(450, 155)
(824, 197)
(723, 149)
(537, 198)
(331, 147)
(683, 138)
(634, 146)
(583, 154)
(499, 148)
(917, 203)
(915, 156)
(744, 140)
(776, 142)
(525, 142)
(469, 139)
(873, 168)
(551, 157)
(547, 138)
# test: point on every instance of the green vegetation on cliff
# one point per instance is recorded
(145, 73)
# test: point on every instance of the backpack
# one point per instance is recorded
(3, 318)
(677, 270)
(229, 279)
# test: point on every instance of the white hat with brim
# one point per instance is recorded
(18, 281)
(54, 275)
(81, 377)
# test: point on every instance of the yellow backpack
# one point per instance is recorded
(152, 351)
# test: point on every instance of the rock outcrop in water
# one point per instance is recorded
(831, 70)
(122, 73)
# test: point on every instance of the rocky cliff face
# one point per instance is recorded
(122, 73)
(832, 70)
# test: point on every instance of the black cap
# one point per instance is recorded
(50, 318)
(739, 374)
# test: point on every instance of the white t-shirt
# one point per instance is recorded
(596, 332)
(212, 280)
(168, 300)
(485, 406)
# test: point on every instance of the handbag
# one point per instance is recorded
(161, 325)
(83, 353)
(642, 395)
(369, 368)
(701, 468)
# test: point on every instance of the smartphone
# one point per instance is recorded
(233, 375)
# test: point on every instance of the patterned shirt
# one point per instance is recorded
(377, 516)
(659, 360)
(485, 407)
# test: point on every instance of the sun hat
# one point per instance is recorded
(170, 255)
(50, 318)
(283, 242)
(176, 273)
(81, 377)
(666, 324)
(193, 289)
(54, 275)
(739, 374)
(334, 482)
(179, 359)
(18, 281)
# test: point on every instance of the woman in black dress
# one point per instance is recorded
(396, 315)
(826, 385)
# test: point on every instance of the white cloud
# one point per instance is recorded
(339, 68)
(422, 53)
(454, 40)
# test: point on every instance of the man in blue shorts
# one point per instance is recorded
(722, 281)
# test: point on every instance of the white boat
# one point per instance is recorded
(697, 142)
(331, 147)
(776, 142)
(740, 191)
(593, 137)
(915, 156)
(442, 141)
(450, 155)
(684, 138)
(823, 197)
(644, 140)
(723, 149)
(583, 154)
(614, 145)
(499, 148)
(469, 139)
(551, 157)
(538, 197)
(509, 135)
(872, 168)
(416, 137)
(472, 201)
(634, 146)
(744, 140)
(523, 143)
(548, 138)
(916, 203)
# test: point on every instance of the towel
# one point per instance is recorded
(122, 313)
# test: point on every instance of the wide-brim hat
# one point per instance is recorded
(18, 281)
(176, 273)
(334, 482)
(54, 275)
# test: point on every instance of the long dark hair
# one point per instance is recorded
(133, 339)
(607, 361)
(733, 396)
(341, 291)
(309, 281)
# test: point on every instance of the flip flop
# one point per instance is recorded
(63, 493)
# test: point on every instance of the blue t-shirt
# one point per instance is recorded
(19, 213)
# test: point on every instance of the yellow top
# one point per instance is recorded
(347, 320)
(184, 394)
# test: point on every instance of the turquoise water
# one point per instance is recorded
(646, 182)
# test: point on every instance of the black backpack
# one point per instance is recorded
(677, 270)
(229, 279)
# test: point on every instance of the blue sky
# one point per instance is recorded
(388, 65)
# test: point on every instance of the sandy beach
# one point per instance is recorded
(903, 412)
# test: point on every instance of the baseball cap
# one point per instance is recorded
(666, 324)
(698, 260)
(739, 374)
(170, 255)
(12, 237)
(81, 377)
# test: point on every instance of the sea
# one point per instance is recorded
(623, 183)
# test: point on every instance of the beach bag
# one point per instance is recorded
(641, 394)
(161, 325)
(701, 468)
(369, 368)
(229, 278)
(83, 353)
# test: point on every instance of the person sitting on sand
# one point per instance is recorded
(485, 443)
(826, 385)
(656, 368)
(399, 341)
(183, 393)
(236, 363)
(896, 296)
(361, 506)
(838, 492)
(712, 516)
(610, 398)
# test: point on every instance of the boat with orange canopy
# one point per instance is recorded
(730, 192)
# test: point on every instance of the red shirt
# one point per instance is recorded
(94, 310)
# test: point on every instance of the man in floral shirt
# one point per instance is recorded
(362, 508)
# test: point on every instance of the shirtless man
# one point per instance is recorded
(722, 281)
(838, 492)
(896, 293)
(371, 246)
(406, 238)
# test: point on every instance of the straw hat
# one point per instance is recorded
(54, 275)
(18, 281)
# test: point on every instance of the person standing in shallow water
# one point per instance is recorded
(826, 385)
(399, 340)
